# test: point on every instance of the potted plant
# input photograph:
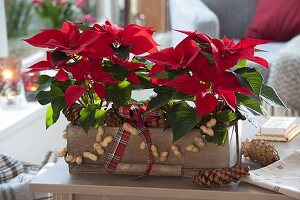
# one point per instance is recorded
(202, 88)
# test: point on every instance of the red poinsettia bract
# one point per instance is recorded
(89, 72)
(131, 67)
(225, 52)
(208, 85)
(174, 58)
(137, 37)
(69, 39)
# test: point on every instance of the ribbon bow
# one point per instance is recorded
(137, 118)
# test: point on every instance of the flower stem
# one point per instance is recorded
(101, 103)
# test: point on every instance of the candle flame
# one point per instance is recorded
(33, 88)
(7, 74)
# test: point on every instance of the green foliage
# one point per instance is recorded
(44, 82)
(57, 13)
(164, 95)
(182, 119)
(83, 27)
(87, 117)
(242, 63)
(250, 78)
(91, 116)
(122, 52)
(18, 17)
(270, 96)
(251, 103)
(99, 117)
(55, 96)
(53, 111)
(119, 94)
(45, 97)
(220, 135)
(49, 117)
(248, 114)
(117, 71)
(226, 116)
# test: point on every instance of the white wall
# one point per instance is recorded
(31, 141)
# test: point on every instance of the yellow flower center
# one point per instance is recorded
(209, 89)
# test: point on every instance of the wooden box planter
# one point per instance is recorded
(134, 160)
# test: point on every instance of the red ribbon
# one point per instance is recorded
(137, 118)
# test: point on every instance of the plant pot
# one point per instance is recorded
(134, 160)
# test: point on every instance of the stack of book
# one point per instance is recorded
(279, 129)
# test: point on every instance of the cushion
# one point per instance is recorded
(275, 20)
(194, 15)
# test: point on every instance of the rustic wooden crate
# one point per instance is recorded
(134, 160)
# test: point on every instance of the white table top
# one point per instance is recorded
(58, 180)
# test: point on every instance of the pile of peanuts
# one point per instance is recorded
(176, 151)
(130, 129)
(100, 145)
(195, 147)
(208, 128)
(163, 156)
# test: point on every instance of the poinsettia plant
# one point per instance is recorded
(202, 77)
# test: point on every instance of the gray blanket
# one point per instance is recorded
(285, 77)
(14, 182)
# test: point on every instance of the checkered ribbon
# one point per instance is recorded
(138, 118)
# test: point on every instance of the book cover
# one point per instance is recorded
(277, 125)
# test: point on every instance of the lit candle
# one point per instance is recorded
(3, 32)
(7, 74)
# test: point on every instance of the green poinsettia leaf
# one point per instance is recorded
(119, 94)
(117, 71)
(49, 117)
(99, 117)
(83, 26)
(250, 78)
(44, 82)
(58, 105)
(182, 96)
(248, 114)
(220, 135)
(269, 95)
(63, 85)
(87, 117)
(164, 95)
(242, 63)
(122, 52)
(45, 97)
(182, 119)
(172, 74)
(251, 104)
(42, 79)
(226, 116)
(145, 83)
